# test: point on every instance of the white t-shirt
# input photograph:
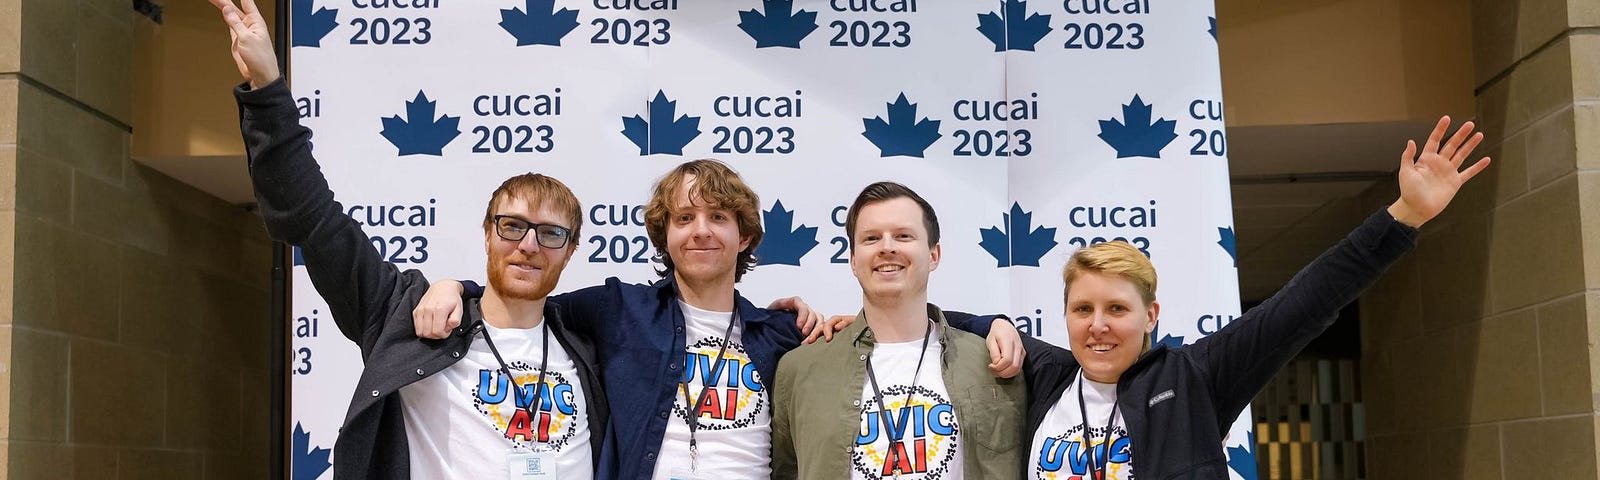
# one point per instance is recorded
(734, 433)
(464, 421)
(929, 437)
(1058, 448)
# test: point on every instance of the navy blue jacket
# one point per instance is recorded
(638, 331)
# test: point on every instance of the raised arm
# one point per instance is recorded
(1244, 356)
(293, 195)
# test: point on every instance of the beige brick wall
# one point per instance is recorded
(1483, 346)
(133, 308)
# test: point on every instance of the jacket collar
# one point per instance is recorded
(861, 335)
(667, 289)
(1145, 359)
(472, 319)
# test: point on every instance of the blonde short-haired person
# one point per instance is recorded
(1163, 411)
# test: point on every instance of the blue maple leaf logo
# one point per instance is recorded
(780, 26)
(308, 462)
(1225, 239)
(1015, 244)
(541, 24)
(419, 133)
(1136, 135)
(662, 133)
(1012, 28)
(782, 244)
(1243, 459)
(307, 28)
(1171, 341)
(1213, 29)
(902, 134)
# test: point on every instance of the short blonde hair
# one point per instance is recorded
(1117, 258)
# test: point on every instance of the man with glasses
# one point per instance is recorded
(495, 399)
(687, 361)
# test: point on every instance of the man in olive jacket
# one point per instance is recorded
(901, 395)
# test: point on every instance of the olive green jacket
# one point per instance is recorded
(817, 395)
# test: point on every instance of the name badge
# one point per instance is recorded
(684, 474)
(531, 466)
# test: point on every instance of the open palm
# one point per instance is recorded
(1429, 180)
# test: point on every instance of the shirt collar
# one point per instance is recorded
(862, 336)
(667, 287)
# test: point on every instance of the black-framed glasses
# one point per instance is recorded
(515, 229)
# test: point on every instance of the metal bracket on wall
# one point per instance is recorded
(148, 9)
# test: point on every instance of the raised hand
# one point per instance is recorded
(252, 43)
(1430, 180)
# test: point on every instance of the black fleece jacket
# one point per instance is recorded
(370, 299)
(1179, 402)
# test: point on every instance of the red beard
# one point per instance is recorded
(519, 289)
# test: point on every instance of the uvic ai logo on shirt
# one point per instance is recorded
(915, 438)
(553, 422)
(1066, 456)
(733, 393)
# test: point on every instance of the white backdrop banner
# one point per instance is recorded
(1033, 127)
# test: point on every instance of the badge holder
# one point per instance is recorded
(681, 473)
(536, 464)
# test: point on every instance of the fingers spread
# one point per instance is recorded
(250, 9)
(1461, 135)
(1473, 170)
(1437, 135)
(1466, 150)
(1409, 156)
(230, 15)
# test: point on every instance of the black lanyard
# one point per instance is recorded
(692, 411)
(1083, 413)
(538, 389)
(883, 408)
